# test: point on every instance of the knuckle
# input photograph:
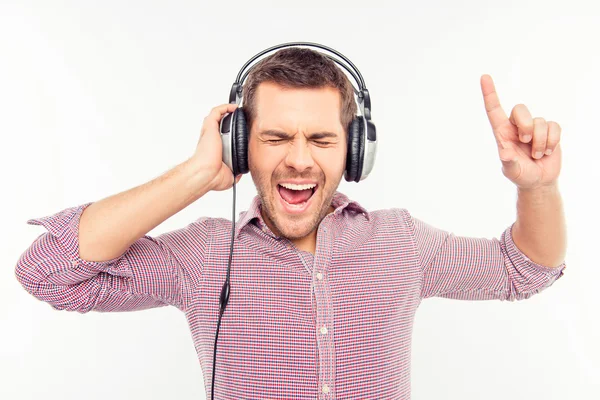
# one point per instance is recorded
(540, 142)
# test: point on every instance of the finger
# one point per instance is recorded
(554, 131)
(521, 118)
(214, 117)
(218, 111)
(540, 137)
(495, 113)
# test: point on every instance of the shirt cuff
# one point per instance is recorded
(519, 258)
(64, 226)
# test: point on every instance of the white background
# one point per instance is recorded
(98, 97)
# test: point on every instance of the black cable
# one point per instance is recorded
(224, 298)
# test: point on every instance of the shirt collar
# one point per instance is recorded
(340, 202)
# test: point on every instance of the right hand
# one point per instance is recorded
(208, 154)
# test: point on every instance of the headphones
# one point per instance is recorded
(362, 135)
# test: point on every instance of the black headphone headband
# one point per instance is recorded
(362, 92)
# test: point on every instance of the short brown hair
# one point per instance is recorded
(295, 67)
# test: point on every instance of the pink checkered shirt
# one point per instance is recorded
(334, 325)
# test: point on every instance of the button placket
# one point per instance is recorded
(324, 318)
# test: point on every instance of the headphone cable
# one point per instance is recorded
(224, 297)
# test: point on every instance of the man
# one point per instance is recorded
(323, 292)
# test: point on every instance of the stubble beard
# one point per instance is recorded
(291, 230)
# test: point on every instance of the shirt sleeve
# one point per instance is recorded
(469, 268)
(152, 272)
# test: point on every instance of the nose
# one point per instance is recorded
(299, 155)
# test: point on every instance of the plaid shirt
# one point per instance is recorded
(333, 325)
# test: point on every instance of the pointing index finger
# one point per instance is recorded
(495, 113)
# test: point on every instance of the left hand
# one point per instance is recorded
(519, 138)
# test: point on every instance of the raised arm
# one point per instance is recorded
(530, 152)
(529, 255)
(472, 268)
(98, 256)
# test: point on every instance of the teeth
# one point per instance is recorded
(292, 186)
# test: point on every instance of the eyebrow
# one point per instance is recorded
(284, 135)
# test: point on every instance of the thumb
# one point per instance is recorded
(510, 163)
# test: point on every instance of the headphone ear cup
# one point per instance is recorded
(240, 142)
(354, 157)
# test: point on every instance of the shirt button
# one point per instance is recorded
(324, 330)
(325, 388)
(319, 276)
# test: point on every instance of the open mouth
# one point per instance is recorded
(296, 197)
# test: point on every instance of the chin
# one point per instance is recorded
(294, 226)
(295, 221)
(290, 231)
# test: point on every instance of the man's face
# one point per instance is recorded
(297, 142)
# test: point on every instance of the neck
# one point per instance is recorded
(307, 243)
